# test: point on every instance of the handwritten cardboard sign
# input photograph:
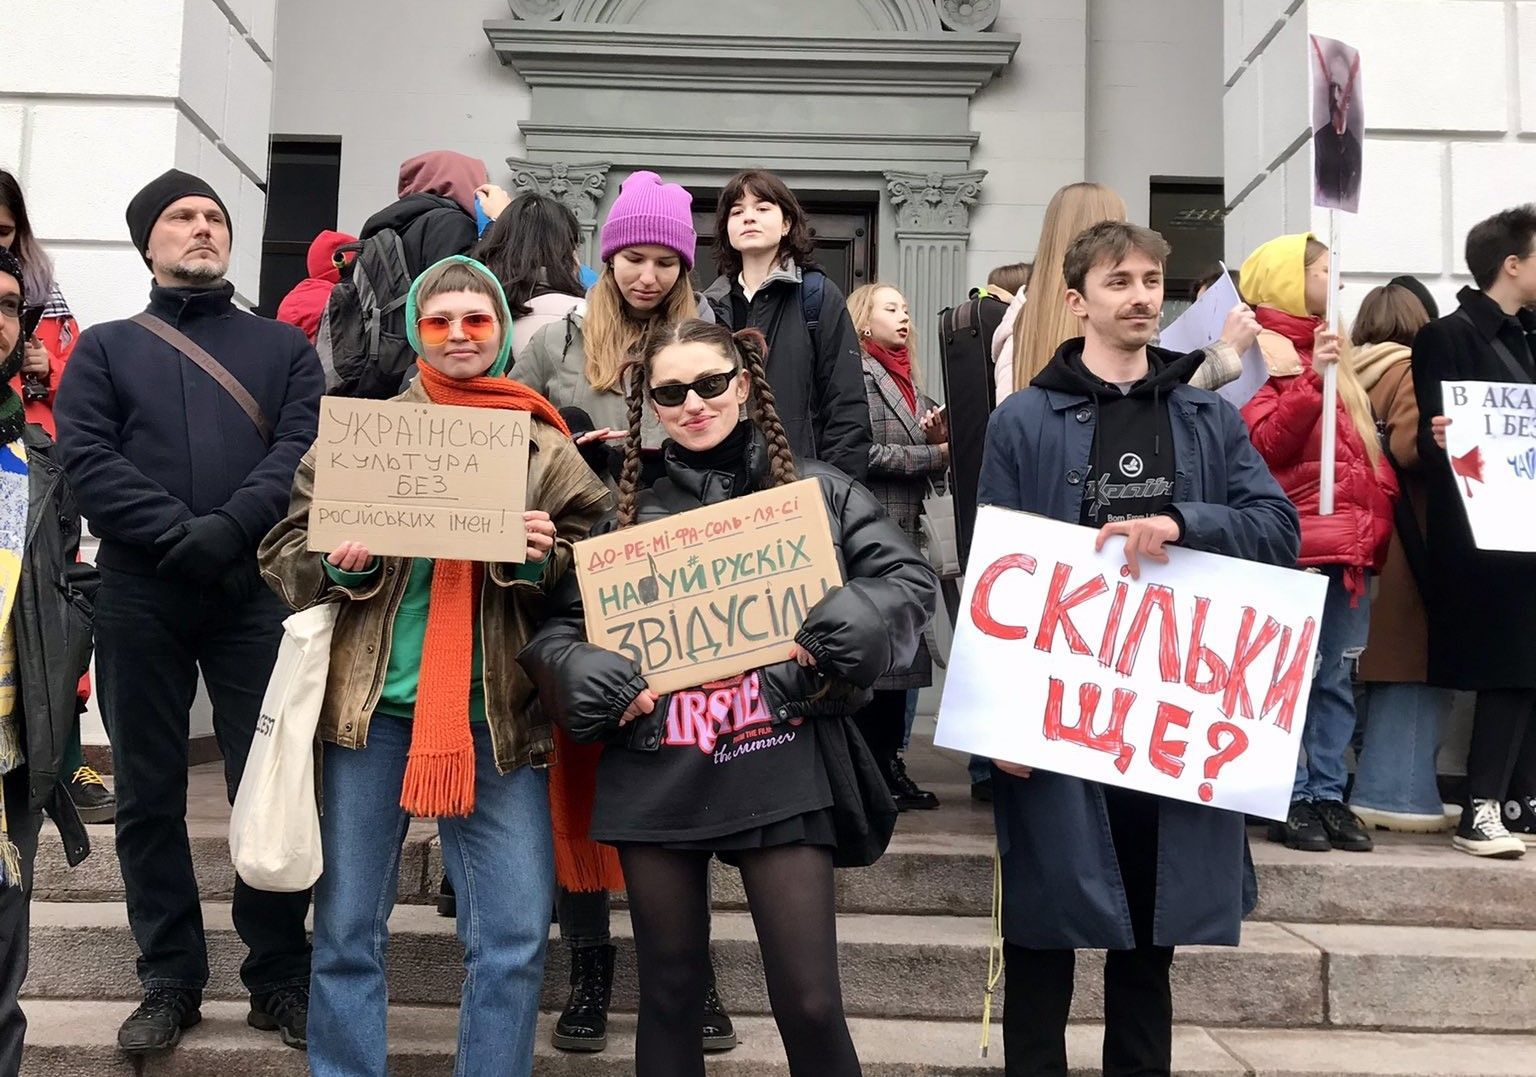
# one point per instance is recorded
(1491, 443)
(714, 592)
(1190, 683)
(420, 480)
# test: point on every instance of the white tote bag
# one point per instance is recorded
(274, 830)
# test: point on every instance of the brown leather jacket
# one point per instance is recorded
(560, 483)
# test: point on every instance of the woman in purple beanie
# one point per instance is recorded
(648, 245)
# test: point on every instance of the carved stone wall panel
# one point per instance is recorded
(969, 16)
(934, 201)
(578, 187)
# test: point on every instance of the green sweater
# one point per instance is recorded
(409, 635)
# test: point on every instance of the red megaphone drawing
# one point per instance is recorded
(1469, 466)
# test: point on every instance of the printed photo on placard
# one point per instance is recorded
(1338, 124)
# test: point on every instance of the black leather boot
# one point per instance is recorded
(583, 1025)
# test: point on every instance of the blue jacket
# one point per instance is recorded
(1061, 883)
(149, 440)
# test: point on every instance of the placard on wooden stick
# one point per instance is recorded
(420, 480)
(714, 592)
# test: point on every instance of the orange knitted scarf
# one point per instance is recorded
(440, 768)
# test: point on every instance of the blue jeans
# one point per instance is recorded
(500, 860)
(1396, 768)
(1321, 771)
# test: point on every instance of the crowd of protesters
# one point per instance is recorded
(468, 692)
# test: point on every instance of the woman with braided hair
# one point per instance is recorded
(672, 792)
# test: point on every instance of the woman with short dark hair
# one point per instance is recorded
(768, 282)
(532, 249)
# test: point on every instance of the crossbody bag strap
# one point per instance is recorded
(1515, 367)
(210, 366)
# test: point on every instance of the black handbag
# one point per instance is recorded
(863, 813)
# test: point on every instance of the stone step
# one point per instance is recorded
(78, 1039)
(1284, 975)
(941, 863)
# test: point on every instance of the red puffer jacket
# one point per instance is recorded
(1284, 422)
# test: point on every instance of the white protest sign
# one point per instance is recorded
(1491, 443)
(1201, 325)
(1190, 683)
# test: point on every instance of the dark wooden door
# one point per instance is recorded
(844, 234)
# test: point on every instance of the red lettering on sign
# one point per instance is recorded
(1200, 654)
(1285, 689)
(1164, 754)
(1244, 653)
(1058, 607)
(981, 599)
(1111, 741)
(1161, 599)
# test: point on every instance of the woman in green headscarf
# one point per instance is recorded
(426, 715)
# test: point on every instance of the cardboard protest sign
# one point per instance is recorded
(420, 480)
(1190, 683)
(714, 592)
(1338, 124)
(1201, 324)
(1491, 443)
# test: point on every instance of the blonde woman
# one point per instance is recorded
(1287, 280)
(910, 450)
(1044, 323)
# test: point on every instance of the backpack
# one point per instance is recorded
(965, 361)
(362, 342)
(813, 286)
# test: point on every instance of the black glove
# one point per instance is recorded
(200, 550)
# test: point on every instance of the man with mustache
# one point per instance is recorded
(180, 433)
(1111, 436)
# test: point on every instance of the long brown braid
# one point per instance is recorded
(749, 348)
(629, 477)
(752, 346)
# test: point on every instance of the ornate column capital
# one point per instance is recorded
(967, 15)
(579, 188)
(936, 202)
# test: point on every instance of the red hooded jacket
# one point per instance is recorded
(1284, 422)
(306, 303)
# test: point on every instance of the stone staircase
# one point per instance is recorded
(1412, 960)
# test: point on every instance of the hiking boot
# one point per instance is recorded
(583, 1025)
(1481, 832)
(1520, 818)
(981, 792)
(92, 799)
(1303, 829)
(719, 1033)
(284, 1011)
(904, 790)
(447, 901)
(159, 1021)
(1345, 831)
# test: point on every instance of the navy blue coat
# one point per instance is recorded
(149, 440)
(1061, 883)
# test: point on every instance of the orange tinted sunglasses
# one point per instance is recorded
(435, 329)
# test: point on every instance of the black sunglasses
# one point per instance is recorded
(708, 387)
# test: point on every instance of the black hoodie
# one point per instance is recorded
(1132, 470)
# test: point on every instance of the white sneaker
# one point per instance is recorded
(1400, 821)
(1483, 834)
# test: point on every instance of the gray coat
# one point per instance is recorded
(1061, 881)
(901, 466)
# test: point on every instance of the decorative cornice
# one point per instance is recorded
(911, 16)
(689, 146)
(934, 202)
(578, 187)
(573, 55)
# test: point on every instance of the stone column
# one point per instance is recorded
(578, 187)
(933, 232)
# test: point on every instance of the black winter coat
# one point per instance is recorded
(1482, 604)
(818, 382)
(858, 632)
(149, 440)
(430, 226)
(52, 627)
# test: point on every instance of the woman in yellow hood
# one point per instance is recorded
(1286, 280)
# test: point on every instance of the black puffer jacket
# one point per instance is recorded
(857, 633)
(430, 226)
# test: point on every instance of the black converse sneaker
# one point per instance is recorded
(1482, 833)
(1520, 818)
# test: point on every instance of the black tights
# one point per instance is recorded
(789, 890)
